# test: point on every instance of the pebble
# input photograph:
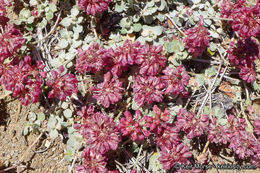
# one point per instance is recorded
(8, 157)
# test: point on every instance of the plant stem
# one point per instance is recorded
(176, 26)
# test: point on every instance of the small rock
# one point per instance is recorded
(47, 144)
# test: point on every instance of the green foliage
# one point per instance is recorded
(210, 72)
(70, 39)
(34, 123)
(129, 26)
(46, 11)
(154, 163)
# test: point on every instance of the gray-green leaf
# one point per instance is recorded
(54, 134)
(67, 113)
(66, 22)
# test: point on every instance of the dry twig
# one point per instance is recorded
(24, 154)
(176, 26)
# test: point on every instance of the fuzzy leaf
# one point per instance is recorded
(24, 14)
(222, 121)
(137, 27)
(134, 106)
(218, 112)
(200, 79)
(63, 43)
(41, 116)
(154, 163)
(54, 134)
(74, 11)
(52, 7)
(64, 105)
(120, 6)
(30, 20)
(43, 23)
(66, 22)
(210, 71)
(67, 113)
(32, 116)
(26, 131)
(49, 16)
(78, 28)
(33, 2)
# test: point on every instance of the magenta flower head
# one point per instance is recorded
(244, 144)
(101, 133)
(128, 53)
(257, 126)
(92, 162)
(62, 86)
(244, 52)
(109, 91)
(226, 8)
(133, 126)
(148, 90)
(176, 80)
(151, 61)
(3, 18)
(218, 133)
(236, 124)
(192, 125)
(119, 59)
(169, 136)
(177, 153)
(114, 63)
(247, 73)
(197, 39)
(10, 41)
(86, 112)
(156, 123)
(91, 60)
(246, 20)
(24, 79)
(93, 6)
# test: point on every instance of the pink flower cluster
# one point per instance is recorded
(193, 126)
(62, 86)
(3, 18)
(177, 153)
(92, 162)
(10, 41)
(109, 91)
(240, 141)
(149, 58)
(257, 126)
(128, 53)
(148, 90)
(245, 20)
(123, 56)
(197, 39)
(24, 79)
(101, 135)
(133, 126)
(217, 133)
(151, 61)
(93, 7)
(175, 80)
(141, 126)
(243, 54)
(237, 134)
(147, 87)
(91, 60)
